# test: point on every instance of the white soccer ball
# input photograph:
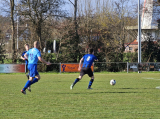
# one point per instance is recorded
(112, 82)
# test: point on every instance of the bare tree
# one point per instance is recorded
(9, 10)
(112, 21)
(38, 11)
(89, 28)
(75, 38)
(75, 16)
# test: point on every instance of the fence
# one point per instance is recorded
(145, 66)
(97, 67)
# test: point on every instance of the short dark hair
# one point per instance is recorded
(90, 51)
(26, 44)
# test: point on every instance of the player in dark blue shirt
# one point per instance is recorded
(87, 60)
(26, 62)
(23, 58)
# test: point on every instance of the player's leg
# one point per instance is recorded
(76, 80)
(90, 74)
(36, 79)
(29, 88)
(90, 82)
(28, 83)
(31, 81)
(27, 71)
(82, 73)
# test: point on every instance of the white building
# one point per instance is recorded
(150, 20)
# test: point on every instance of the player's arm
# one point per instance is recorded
(80, 63)
(25, 56)
(95, 59)
(22, 58)
(43, 61)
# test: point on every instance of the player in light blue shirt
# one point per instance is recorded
(33, 55)
(88, 60)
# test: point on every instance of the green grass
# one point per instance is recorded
(133, 97)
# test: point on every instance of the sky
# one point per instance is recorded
(69, 7)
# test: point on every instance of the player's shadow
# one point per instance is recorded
(107, 92)
(123, 90)
(113, 92)
(135, 88)
(110, 92)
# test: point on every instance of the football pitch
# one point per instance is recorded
(134, 96)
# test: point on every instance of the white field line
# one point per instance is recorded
(158, 87)
(150, 78)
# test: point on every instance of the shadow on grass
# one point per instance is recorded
(135, 88)
(125, 91)
(97, 92)
(107, 92)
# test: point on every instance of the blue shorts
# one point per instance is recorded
(32, 70)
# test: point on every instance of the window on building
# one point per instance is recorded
(130, 48)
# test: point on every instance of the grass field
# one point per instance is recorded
(133, 97)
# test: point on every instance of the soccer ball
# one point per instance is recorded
(112, 82)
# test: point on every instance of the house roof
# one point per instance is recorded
(132, 43)
(136, 43)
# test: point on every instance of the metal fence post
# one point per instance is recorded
(127, 67)
(60, 68)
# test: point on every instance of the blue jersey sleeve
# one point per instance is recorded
(39, 54)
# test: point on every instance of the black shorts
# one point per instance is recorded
(85, 70)
(26, 68)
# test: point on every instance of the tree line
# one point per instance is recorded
(101, 27)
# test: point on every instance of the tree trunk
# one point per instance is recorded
(13, 32)
(76, 32)
(38, 31)
(57, 56)
(75, 18)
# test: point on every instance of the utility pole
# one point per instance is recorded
(17, 25)
(139, 35)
